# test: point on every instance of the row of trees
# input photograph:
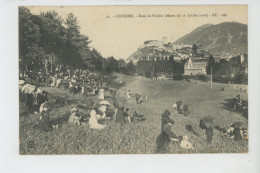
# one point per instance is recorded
(168, 66)
(47, 40)
(48, 37)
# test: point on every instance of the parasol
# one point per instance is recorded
(104, 103)
(28, 89)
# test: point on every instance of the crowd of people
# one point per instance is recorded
(89, 83)
(85, 82)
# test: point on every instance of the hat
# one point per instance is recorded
(179, 103)
(166, 114)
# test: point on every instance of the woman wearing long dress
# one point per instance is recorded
(93, 121)
(101, 94)
(120, 115)
(163, 140)
(128, 94)
(44, 119)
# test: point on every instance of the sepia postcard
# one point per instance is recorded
(133, 79)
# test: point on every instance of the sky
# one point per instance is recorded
(120, 37)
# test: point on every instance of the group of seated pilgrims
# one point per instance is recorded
(84, 82)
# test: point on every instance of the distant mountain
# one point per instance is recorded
(226, 39)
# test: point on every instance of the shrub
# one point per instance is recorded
(178, 77)
(203, 78)
(241, 78)
(221, 79)
(148, 74)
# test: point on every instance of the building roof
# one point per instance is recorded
(199, 59)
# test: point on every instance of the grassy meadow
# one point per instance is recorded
(137, 137)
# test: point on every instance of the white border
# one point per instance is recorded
(11, 161)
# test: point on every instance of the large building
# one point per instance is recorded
(196, 65)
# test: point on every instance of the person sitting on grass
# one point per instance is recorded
(74, 117)
(185, 144)
(163, 141)
(236, 131)
(128, 94)
(186, 110)
(101, 94)
(126, 116)
(138, 99)
(179, 109)
(138, 116)
(93, 122)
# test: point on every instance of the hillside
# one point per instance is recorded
(147, 51)
(228, 38)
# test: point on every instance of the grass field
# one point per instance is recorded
(138, 137)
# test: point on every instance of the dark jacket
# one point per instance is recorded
(44, 122)
(120, 115)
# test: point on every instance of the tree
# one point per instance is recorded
(130, 67)
(52, 35)
(211, 64)
(241, 78)
(29, 37)
(97, 60)
(224, 68)
(76, 44)
(52, 32)
(47, 37)
(112, 64)
(73, 27)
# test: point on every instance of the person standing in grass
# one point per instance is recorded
(119, 113)
(163, 141)
(44, 120)
(207, 124)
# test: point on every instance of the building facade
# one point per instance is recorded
(195, 66)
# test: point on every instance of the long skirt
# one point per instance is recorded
(44, 124)
(120, 116)
(162, 144)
